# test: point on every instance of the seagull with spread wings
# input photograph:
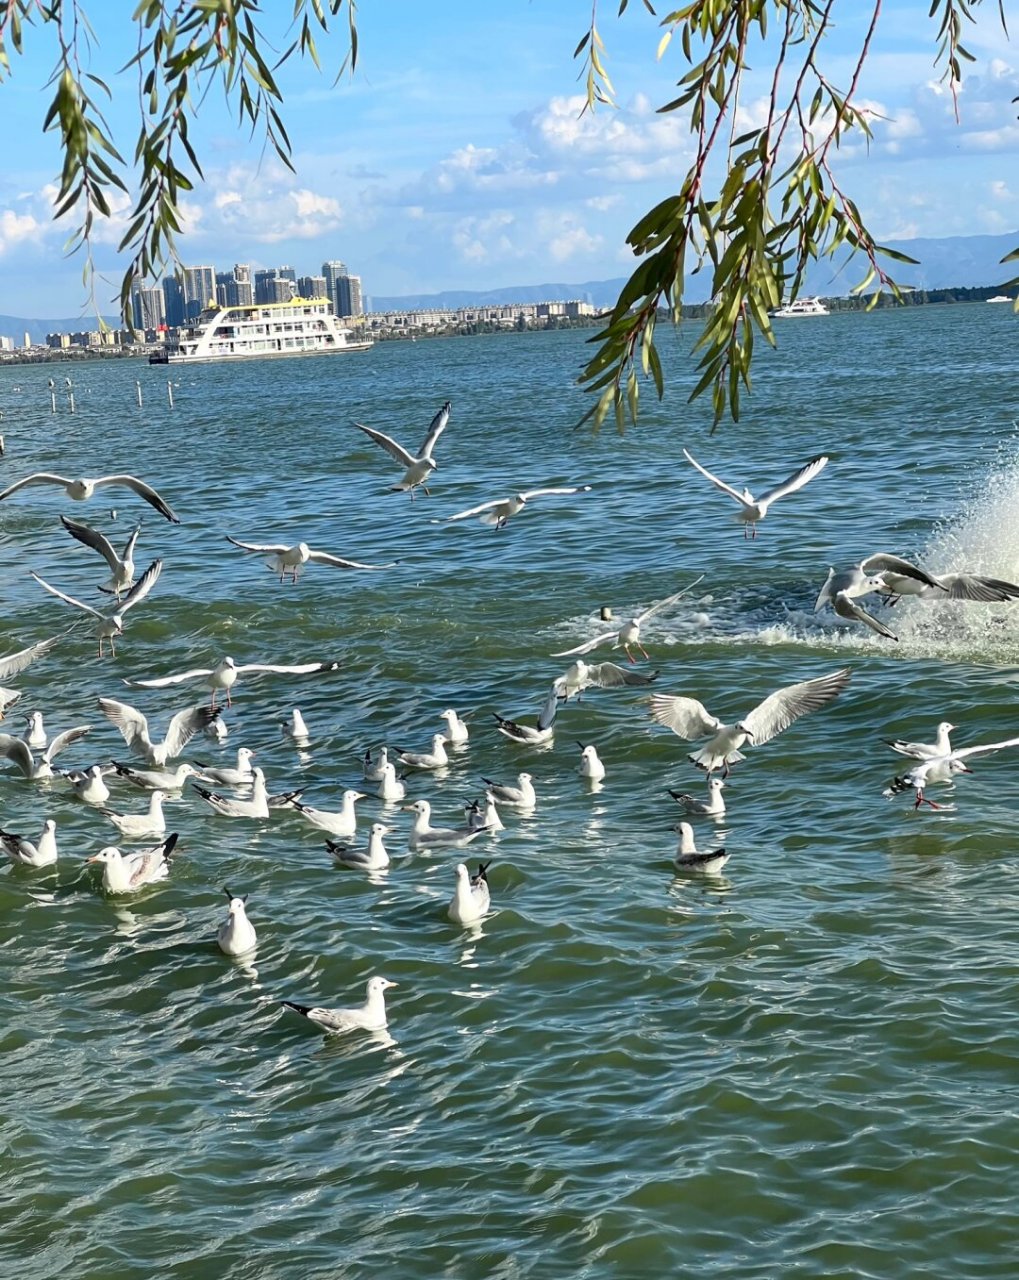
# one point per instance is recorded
(941, 769)
(690, 719)
(223, 676)
(121, 566)
(582, 675)
(629, 633)
(500, 510)
(135, 729)
(283, 559)
(20, 753)
(417, 469)
(82, 490)
(111, 624)
(13, 663)
(754, 509)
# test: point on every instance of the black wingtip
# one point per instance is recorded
(204, 792)
(303, 1009)
(169, 844)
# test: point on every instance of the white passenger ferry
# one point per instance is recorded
(301, 327)
(801, 307)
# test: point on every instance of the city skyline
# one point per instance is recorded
(434, 181)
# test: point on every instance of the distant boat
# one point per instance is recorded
(801, 307)
(1000, 297)
(300, 327)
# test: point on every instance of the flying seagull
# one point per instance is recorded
(941, 768)
(499, 511)
(285, 559)
(370, 1016)
(224, 675)
(111, 624)
(583, 675)
(754, 509)
(14, 663)
(417, 469)
(135, 729)
(690, 719)
(82, 490)
(629, 633)
(121, 566)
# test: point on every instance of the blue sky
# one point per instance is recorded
(457, 157)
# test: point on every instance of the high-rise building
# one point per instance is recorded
(348, 296)
(270, 286)
(233, 288)
(173, 300)
(199, 285)
(312, 287)
(147, 306)
(333, 271)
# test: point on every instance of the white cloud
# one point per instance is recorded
(17, 227)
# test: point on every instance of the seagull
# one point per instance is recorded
(225, 674)
(941, 768)
(126, 872)
(688, 859)
(628, 634)
(434, 759)
(111, 624)
(121, 566)
(390, 787)
(582, 675)
(900, 577)
(89, 786)
(690, 719)
(239, 775)
(488, 817)
(457, 732)
(522, 796)
(713, 807)
(216, 730)
(499, 512)
(36, 735)
(134, 729)
(370, 1016)
(82, 490)
(543, 728)
(754, 509)
(24, 853)
(374, 858)
(374, 768)
(156, 779)
(285, 559)
(472, 898)
(843, 587)
(236, 936)
(591, 766)
(295, 729)
(256, 806)
(342, 823)
(19, 753)
(941, 746)
(14, 663)
(136, 826)
(424, 836)
(417, 469)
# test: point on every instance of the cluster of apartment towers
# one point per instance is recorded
(180, 298)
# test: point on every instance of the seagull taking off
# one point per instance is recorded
(121, 566)
(19, 753)
(754, 509)
(82, 490)
(285, 559)
(498, 512)
(941, 768)
(417, 469)
(597, 675)
(13, 663)
(628, 635)
(135, 729)
(111, 624)
(370, 1016)
(223, 676)
(690, 719)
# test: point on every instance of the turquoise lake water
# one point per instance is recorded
(807, 1066)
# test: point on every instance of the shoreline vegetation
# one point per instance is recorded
(140, 350)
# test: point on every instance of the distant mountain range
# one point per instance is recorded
(955, 262)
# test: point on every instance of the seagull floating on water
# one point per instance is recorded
(424, 836)
(472, 899)
(690, 719)
(127, 872)
(542, 730)
(688, 859)
(134, 729)
(239, 775)
(121, 566)
(156, 779)
(521, 796)
(285, 559)
(223, 676)
(374, 858)
(713, 807)
(342, 823)
(138, 826)
(111, 624)
(591, 766)
(255, 806)
(437, 758)
(296, 729)
(82, 490)
(628, 635)
(36, 735)
(390, 788)
(370, 1016)
(457, 732)
(419, 468)
(374, 767)
(89, 785)
(24, 853)
(236, 936)
(498, 512)
(754, 509)
(941, 746)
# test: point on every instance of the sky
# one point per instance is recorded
(457, 155)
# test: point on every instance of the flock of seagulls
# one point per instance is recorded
(240, 791)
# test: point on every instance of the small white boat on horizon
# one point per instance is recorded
(801, 307)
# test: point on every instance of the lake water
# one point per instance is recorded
(808, 1066)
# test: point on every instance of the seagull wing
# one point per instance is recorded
(90, 537)
(548, 713)
(129, 545)
(142, 587)
(65, 739)
(133, 726)
(394, 450)
(67, 599)
(39, 477)
(301, 669)
(657, 608)
(686, 717)
(435, 429)
(824, 595)
(162, 681)
(846, 607)
(18, 752)
(780, 709)
(542, 493)
(609, 675)
(323, 557)
(895, 564)
(15, 662)
(588, 645)
(275, 548)
(796, 481)
(719, 484)
(143, 490)
(183, 727)
(966, 752)
(969, 586)
(476, 511)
